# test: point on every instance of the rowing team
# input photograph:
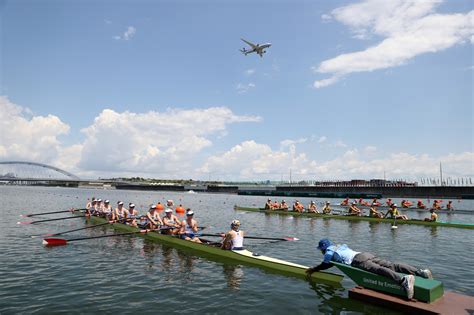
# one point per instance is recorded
(392, 212)
(168, 224)
(297, 206)
(437, 204)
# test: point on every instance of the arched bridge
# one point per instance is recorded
(32, 171)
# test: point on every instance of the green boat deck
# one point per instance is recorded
(216, 253)
(358, 218)
(426, 290)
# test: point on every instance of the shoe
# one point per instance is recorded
(408, 284)
(426, 273)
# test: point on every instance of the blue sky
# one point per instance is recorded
(349, 89)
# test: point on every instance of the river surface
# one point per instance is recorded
(128, 274)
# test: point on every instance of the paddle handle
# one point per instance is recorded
(52, 212)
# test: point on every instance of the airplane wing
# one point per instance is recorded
(249, 43)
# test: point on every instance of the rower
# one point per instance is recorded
(107, 209)
(298, 207)
(91, 210)
(284, 205)
(153, 219)
(276, 205)
(171, 221)
(420, 205)
(234, 239)
(169, 203)
(269, 205)
(449, 206)
(374, 213)
(189, 228)
(434, 216)
(394, 214)
(345, 202)
(436, 204)
(377, 203)
(312, 207)
(389, 202)
(327, 208)
(369, 262)
(99, 207)
(89, 203)
(120, 212)
(132, 215)
(353, 210)
(406, 204)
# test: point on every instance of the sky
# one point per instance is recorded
(158, 89)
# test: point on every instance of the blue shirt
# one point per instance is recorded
(339, 253)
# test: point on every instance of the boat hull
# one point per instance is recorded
(244, 256)
(357, 218)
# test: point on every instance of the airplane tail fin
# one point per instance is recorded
(243, 51)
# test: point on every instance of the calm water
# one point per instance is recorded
(129, 274)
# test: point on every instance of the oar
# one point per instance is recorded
(61, 241)
(44, 213)
(57, 219)
(84, 228)
(258, 237)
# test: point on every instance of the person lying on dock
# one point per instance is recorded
(353, 210)
(394, 214)
(433, 217)
(374, 213)
(312, 207)
(269, 204)
(327, 208)
(189, 228)
(420, 205)
(284, 205)
(172, 222)
(234, 239)
(369, 262)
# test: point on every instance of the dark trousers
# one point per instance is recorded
(371, 263)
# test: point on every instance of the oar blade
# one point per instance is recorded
(23, 223)
(54, 242)
(291, 238)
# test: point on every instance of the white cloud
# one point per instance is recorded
(127, 35)
(409, 28)
(249, 72)
(340, 144)
(24, 136)
(289, 142)
(244, 88)
(250, 160)
(155, 143)
(322, 139)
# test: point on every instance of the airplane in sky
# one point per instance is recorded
(258, 48)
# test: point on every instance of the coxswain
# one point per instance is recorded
(327, 208)
(171, 222)
(159, 206)
(120, 213)
(269, 204)
(345, 202)
(433, 217)
(353, 210)
(394, 214)
(312, 207)
(449, 206)
(153, 220)
(189, 228)
(374, 213)
(420, 205)
(284, 205)
(403, 274)
(132, 215)
(234, 239)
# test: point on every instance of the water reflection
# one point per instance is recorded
(233, 275)
(434, 231)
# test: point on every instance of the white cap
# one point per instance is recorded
(190, 212)
(168, 210)
(394, 204)
(132, 205)
(327, 202)
(99, 200)
(107, 201)
(120, 203)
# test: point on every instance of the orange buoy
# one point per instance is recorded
(180, 209)
(160, 207)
